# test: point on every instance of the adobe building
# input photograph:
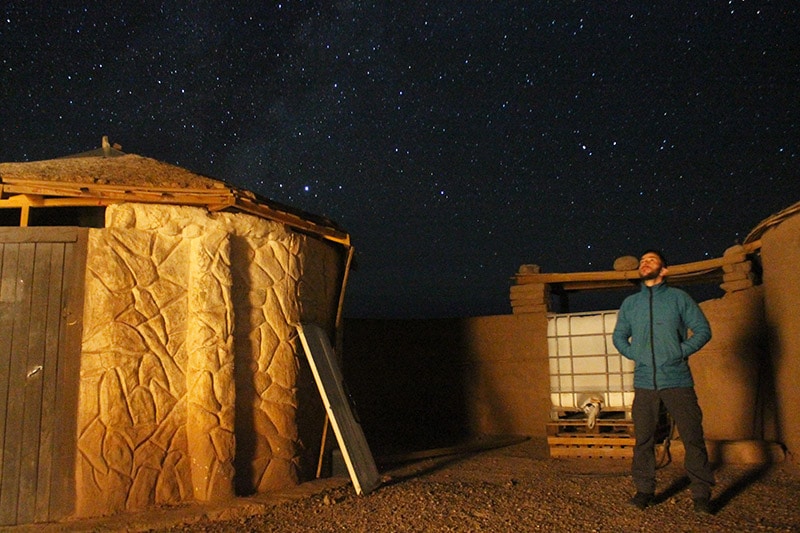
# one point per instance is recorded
(504, 374)
(746, 375)
(148, 354)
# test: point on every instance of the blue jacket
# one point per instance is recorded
(652, 330)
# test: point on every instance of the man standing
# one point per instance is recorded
(652, 330)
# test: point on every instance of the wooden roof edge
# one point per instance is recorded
(69, 188)
(30, 192)
(328, 232)
(684, 271)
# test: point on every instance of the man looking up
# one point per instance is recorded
(653, 330)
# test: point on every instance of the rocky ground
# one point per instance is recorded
(512, 488)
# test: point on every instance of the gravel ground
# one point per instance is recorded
(514, 488)
(518, 488)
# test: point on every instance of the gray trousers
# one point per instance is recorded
(681, 403)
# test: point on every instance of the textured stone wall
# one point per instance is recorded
(191, 374)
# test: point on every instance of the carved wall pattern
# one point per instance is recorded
(189, 370)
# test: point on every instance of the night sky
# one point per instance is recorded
(454, 140)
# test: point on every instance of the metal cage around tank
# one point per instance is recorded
(584, 364)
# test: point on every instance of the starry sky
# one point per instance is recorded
(454, 140)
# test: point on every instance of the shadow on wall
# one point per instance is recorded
(768, 391)
(275, 388)
(766, 418)
(407, 379)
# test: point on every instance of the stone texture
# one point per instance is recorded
(209, 372)
(190, 362)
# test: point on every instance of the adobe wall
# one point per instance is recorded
(420, 384)
(415, 380)
(193, 383)
(731, 380)
(780, 255)
(509, 376)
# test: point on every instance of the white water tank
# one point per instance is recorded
(584, 363)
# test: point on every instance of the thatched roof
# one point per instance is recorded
(107, 175)
(125, 170)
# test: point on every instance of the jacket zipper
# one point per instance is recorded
(652, 339)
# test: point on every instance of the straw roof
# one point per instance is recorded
(107, 175)
(123, 170)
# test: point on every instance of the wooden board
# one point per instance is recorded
(609, 438)
(602, 427)
(349, 434)
(591, 446)
(41, 297)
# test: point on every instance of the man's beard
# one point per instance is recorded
(653, 274)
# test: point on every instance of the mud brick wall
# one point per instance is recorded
(780, 255)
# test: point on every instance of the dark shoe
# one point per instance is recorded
(702, 506)
(641, 500)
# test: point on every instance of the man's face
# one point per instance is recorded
(650, 266)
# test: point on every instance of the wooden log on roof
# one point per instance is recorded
(290, 219)
(117, 193)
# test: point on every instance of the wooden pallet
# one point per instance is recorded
(578, 426)
(609, 438)
(592, 446)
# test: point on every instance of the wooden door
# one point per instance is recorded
(41, 305)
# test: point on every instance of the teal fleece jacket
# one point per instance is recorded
(652, 330)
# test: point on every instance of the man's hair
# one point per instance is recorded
(656, 252)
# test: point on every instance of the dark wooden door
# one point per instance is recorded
(41, 305)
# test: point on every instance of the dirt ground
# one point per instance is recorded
(511, 488)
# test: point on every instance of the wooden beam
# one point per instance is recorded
(28, 193)
(295, 221)
(705, 271)
(118, 193)
(30, 200)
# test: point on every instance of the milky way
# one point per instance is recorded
(454, 141)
